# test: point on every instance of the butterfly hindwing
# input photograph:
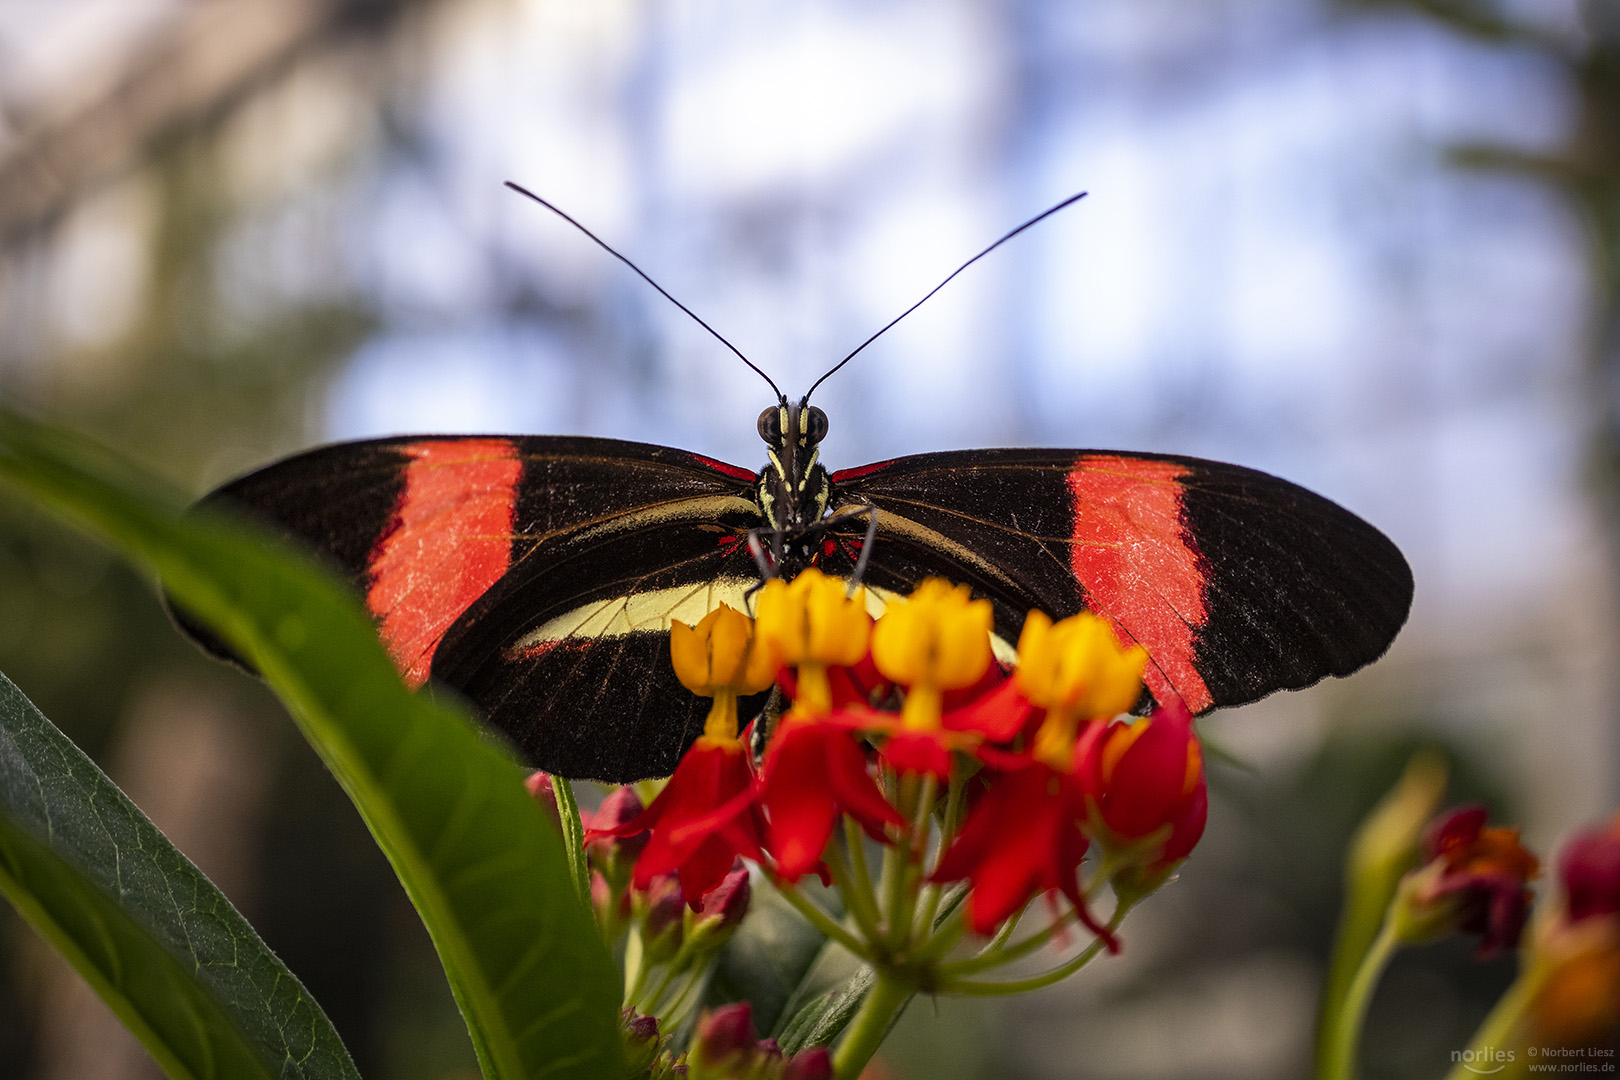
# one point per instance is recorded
(1236, 582)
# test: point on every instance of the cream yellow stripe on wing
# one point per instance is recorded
(647, 611)
(652, 611)
(703, 508)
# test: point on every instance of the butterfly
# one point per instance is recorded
(539, 575)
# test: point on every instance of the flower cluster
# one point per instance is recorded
(1474, 878)
(980, 785)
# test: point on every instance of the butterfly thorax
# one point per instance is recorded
(792, 489)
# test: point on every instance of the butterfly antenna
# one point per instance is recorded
(1042, 216)
(521, 190)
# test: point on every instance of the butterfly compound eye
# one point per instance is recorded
(768, 429)
(818, 426)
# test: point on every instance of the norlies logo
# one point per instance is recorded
(1483, 1060)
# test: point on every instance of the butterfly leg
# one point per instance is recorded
(871, 513)
(844, 513)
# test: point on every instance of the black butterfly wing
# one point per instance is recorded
(470, 550)
(1236, 582)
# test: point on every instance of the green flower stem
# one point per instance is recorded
(1022, 986)
(1007, 930)
(650, 1003)
(943, 939)
(823, 921)
(635, 970)
(947, 830)
(676, 966)
(904, 909)
(1502, 1026)
(1343, 1032)
(927, 907)
(673, 1015)
(923, 816)
(996, 956)
(1037, 982)
(948, 820)
(871, 1025)
(855, 881)
(896, 871)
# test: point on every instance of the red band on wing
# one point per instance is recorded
(733, 471)
(1138, 566)
(450, 540)
(858, 471)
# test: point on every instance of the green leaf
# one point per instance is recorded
(153, 936)
(477, 856)
(573, 835)
(824, 1018)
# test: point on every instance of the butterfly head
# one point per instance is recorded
(792, 488)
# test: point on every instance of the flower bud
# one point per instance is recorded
(1473, 880)
(1589, 870)
(610, 854)
(1575, 954)
(725, 1044)
(1145, 782)
(641, 1041)
(611, 904)
(723, 908)
(812, 1064)
(663, 923)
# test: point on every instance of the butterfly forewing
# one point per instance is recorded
(471, 550)
(1236, 582)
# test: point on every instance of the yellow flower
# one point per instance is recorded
(1077, 666)
(811, 619)
(936, 640)
(811, 623)
(722, 657)
(721, 652)
(939, 636)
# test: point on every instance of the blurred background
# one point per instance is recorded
(1370, 247)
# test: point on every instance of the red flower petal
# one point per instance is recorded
(700, 822)
(998, 713)
(813, 772)
(1021, 838)
(922, 753)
